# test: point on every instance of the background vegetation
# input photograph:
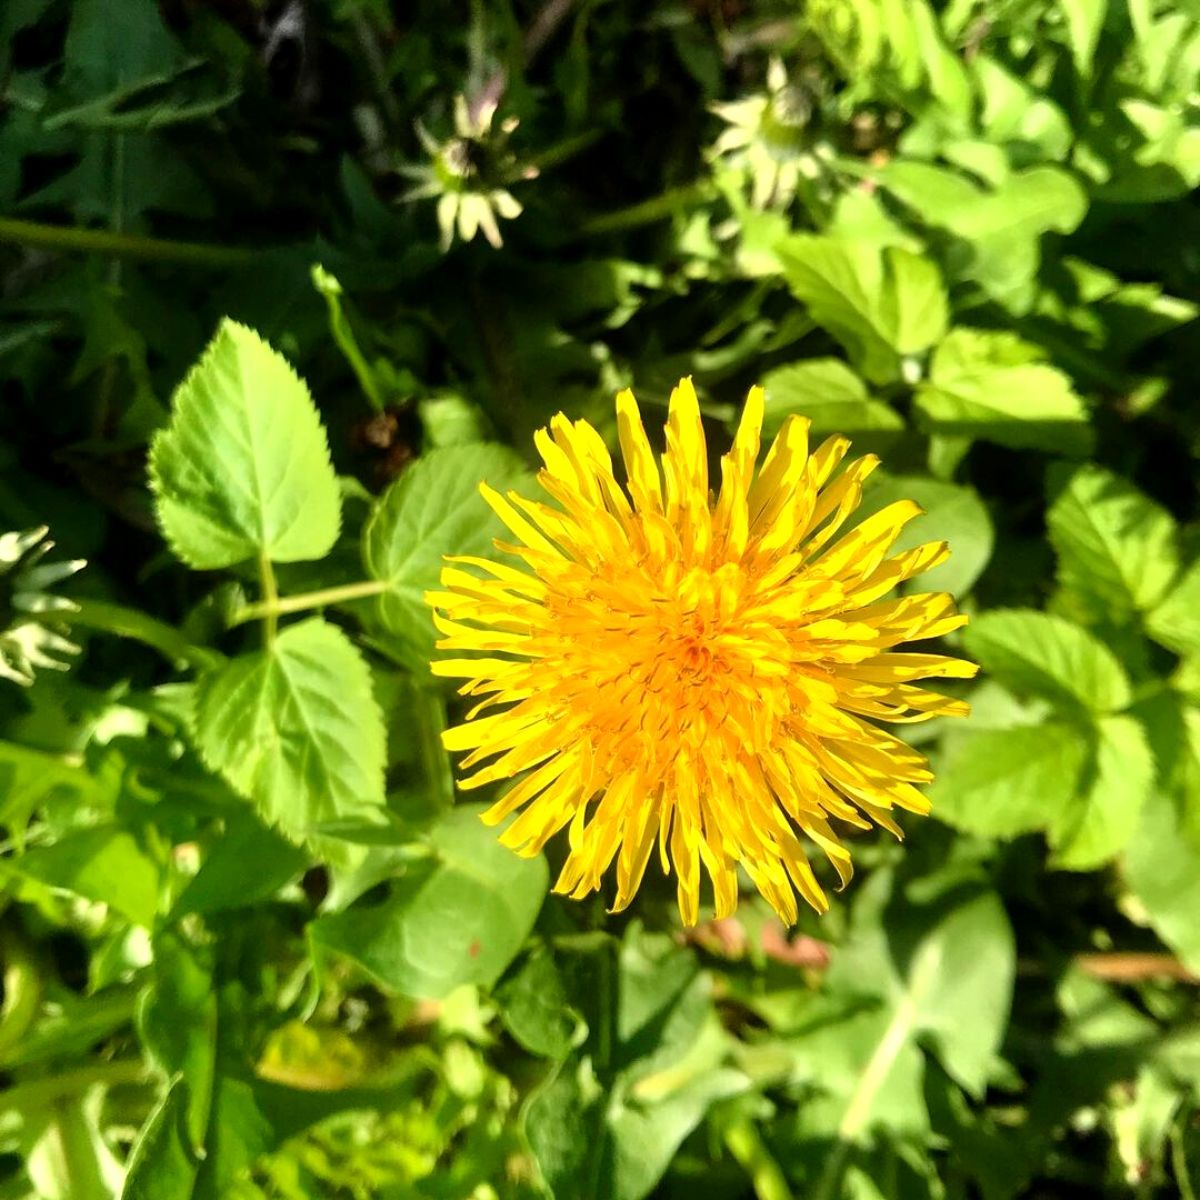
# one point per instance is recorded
(252, 946)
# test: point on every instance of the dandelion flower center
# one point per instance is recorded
(702, 672)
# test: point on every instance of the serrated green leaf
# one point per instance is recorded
(992, 386)
(830, 395)
(1107, 809)
(1004, 782)
(1000, 227)
(953, 514)
(1117, 552)
(881, 305)
(433, 509)
(1035, 653)
(1174, 621)
(296, 729)
(243, 468)
(458, 917)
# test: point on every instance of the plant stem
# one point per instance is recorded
(560, 152)
(78, 1158)
(271, 606)
(130, 623)
(270, 601)
(1179, 1162)
(343, 335)
(746, 1145)
(124, 245)
(657, 208)
(28, 1097)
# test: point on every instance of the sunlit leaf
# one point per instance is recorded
(243, 468)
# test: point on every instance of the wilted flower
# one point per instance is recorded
(470, 173)
(770, 139)
(702, 671)
(25, 642)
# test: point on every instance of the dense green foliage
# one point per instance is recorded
(253, 945)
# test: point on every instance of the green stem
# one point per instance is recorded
(1179, 1162)
(77, 1162)
(747, 1146)
(343, 335)
(124, 245)
(657, 208)
(560, 152)
(271, 606)
(270, 601)
(130, 623)
(38, 1093)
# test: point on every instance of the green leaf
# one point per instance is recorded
(1162, 860)
(452, 420)
(1085, 19)
(1162, 867)
(1139, 152)
(992, 386)
(161, 1163)
(609, 1122)
(1016, 115)
(953, 514)
(1116, 549)
(935, 974)
(296, 729)
(105, 864)
(1174, 621)
(881, 305)
(960, 981)
(243, 468)
(66, 1155)
(459, 917)
(830, 395)
(107, 49)
(833, 1057)
(432, 510)
(29, 777)
(177, 1024)
(663, 1000)
(1034, 653)
(535, 1007)
(1105, 813)
(1001, 227)
(1004, 782)
(220, 884)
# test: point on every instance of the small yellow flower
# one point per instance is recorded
(704, 672)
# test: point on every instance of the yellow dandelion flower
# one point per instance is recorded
(701, 671)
